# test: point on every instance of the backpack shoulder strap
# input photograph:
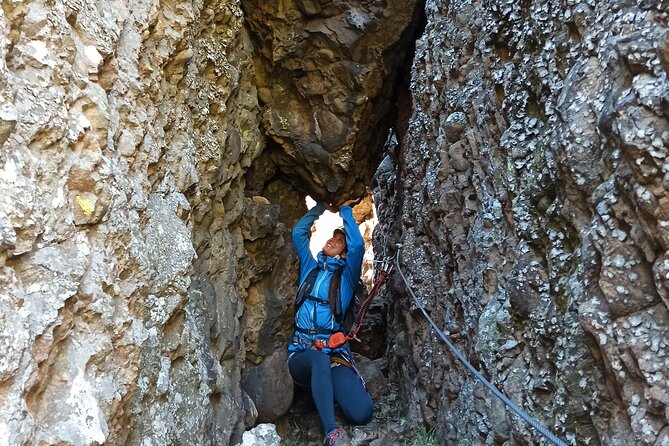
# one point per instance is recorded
(306, 287)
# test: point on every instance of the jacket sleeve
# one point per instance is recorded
(355, 251)
(301, 232)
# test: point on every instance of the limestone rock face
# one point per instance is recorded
(326, 73)
(125, 128)
(530, 194)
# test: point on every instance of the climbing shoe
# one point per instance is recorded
(337, 437)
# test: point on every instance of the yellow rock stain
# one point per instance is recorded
(86, 204)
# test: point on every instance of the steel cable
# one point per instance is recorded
(520, 412)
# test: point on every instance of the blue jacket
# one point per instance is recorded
(317, 314)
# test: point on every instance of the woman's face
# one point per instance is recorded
(335, 246)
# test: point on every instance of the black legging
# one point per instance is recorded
(330, 384)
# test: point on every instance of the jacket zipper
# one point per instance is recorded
(317, 285)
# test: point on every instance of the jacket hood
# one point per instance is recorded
(329, 263)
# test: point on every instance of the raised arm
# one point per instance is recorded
(301, 232)
(355, 251)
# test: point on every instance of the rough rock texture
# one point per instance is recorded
(261, 435)
(326, 73)
(126, 128)
(530, 192)
(146, 274)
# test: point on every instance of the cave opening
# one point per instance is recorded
(373, 354)
(365, 214)
(334, 114)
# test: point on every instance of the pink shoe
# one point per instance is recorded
(337, 437)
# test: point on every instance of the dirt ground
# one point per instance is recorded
(301, 425)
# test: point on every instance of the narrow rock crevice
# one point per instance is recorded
(303, 159)
(153, 158)
(327, 82)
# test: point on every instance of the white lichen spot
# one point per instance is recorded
(164, 375)
(86, 414)
(620, 235)
(37, 50)
(602, 339)
(8, 173)
(92, 55)
(59, 199)
(619, 261)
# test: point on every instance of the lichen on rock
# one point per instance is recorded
(114, 120)
(528, 189)
(155, 154)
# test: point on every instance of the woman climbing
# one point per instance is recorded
(320, 356)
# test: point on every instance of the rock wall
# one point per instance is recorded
(529, 190)
(126, 128)
(146, 274)
(145, 267)
(327, 73)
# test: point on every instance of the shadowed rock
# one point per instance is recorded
(530, 195)
(326, 74)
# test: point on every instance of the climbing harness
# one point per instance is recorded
(338, 338)
(334, 345)
(520, 412)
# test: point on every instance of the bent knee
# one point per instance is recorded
(361, 414)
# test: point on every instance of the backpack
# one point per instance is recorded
(346, 320)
